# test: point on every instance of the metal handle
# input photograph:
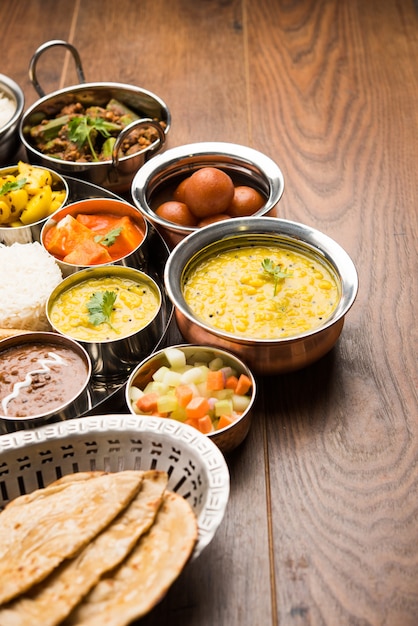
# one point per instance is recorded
(45, 46)
(144, 121)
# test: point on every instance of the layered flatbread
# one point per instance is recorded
(144, 578)
(39, 530)
(49, 602)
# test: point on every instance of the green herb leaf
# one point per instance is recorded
(269, 267)
(110, 237)
(100, 307)
(82, 127)
(12, 186)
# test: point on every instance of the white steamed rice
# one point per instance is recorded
(28, 274)
(7, 109)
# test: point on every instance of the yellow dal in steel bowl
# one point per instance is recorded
(135, 306)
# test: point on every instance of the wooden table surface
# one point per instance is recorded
(322, 522)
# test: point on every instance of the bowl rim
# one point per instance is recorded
(304, 236)
(247, 156)
(17, 92)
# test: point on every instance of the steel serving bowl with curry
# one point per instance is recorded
(114, 312)
(98, 132)
(43, 378)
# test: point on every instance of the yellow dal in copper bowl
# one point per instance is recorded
(272, 291)
(262, 291)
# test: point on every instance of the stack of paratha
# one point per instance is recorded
(92, 548)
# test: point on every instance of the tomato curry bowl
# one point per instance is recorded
(95, 232)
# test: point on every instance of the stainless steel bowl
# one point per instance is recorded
(117, 173)
(226, 438)
(30, 232)
(9, 132)
(75, 406)
(91, 206)
(156, 180)
(263, 356)
(113, 359)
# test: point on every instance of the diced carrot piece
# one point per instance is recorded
(192, 422)
(243, 386)
(128, 239)
(205, 424)
(231, 383)
(225, 420)
(148, 402)
(184, 394)
(197, 407)
(88, 252)
(215, 380)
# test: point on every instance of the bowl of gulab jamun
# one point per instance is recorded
(192, 186)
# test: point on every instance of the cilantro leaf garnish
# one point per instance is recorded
(81, 129)
(100, 307)
(110, 237)
(10, 185)
(269, 267)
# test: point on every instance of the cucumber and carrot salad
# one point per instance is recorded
(206, 394)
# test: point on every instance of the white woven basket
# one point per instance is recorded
(197, 470)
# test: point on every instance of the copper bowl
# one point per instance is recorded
(226, 438)
(263, 356)
(156, 180)
(92, 206)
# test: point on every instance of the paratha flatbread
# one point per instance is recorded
(48, 603)
(144, 578)
(39, 530)
(77, 477)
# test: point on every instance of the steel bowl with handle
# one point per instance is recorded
(115, 174)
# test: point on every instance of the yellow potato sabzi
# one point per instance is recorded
(28, 196)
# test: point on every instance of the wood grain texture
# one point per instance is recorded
(343, 451)
(322, 523)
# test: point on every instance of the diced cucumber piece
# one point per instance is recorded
(240, 403)
(223, 407)
(195, 375)
(175, 357)
(172, 378)
(156, 387)
(159, 374)
(167, 403)
(216, 364)
(135, 393)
